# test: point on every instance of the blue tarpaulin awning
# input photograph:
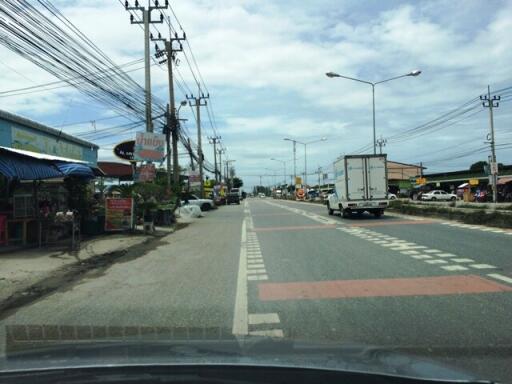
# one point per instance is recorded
(18, 167)
(25, 165)
(75, 169)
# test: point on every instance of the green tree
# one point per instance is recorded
(478, 166)
(237, 182)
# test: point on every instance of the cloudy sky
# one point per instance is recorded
(264, 63)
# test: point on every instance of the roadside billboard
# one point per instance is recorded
(118, 214)
(149, 146)
(194, 178)
(124, 150)
(146, 172)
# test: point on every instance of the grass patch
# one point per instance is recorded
(473, 206)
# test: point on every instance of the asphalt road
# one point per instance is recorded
(288, 270)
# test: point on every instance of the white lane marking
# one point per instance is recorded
(446, 255)
(255, 266)
(454, 268)
(309, 215)
(256, 271)
(421, 257)
(436, 261)
(268, 333)
(432, 251)
(410, 252)
(257, 277)
(240, 318)
(463, 260)
(482, 266)
(500, 277)
(255, 261)
(263, 318)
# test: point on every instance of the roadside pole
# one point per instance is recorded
(197, 102)
(491, 103)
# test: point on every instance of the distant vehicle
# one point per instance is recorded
(204, 204)
(234, 196)
(361, 185)
(313, 193)
(261, 195)
(277, 194)
(438, 195)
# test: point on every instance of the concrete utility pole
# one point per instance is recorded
(381, 143)
(198, 103)
(228, 171)
(319, 175)
(172, 121)
(215, 140)
(220, 152)
(146, 21)
(492, 103)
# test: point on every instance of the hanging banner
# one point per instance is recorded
(118, 214)
(149, 146)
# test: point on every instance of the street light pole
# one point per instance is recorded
(284, 168)
(414, 73)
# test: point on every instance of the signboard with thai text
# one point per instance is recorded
(146, 172)
(149, 146)
(35, 142)
(118, 214)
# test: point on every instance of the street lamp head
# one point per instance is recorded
(332, 74)
(287, 139)
(183, 103)
(323, 139)
(416, 72)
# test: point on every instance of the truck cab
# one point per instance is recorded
(360, 185)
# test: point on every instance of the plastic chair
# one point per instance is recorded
(3, 229)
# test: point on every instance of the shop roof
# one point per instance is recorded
(41, 156)
(116, 170)
(43, 128)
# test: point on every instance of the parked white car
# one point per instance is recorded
(438, 195)
(204, 204)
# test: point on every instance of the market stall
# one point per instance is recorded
(37, 194)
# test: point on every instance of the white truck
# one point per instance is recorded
(361, 184)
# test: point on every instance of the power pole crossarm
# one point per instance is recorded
(199, 102)
(146, 21)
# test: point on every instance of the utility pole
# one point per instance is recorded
(198, 103)
(228, 171)
(294, 162)
(319, 174)
(191, 155)
(492, 103)
(215, 140)
(220, 152)
(381, 143)
(172, 121)
(146, 21)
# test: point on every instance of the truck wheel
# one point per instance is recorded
(346, 213)
(378, 214)
(329, 210)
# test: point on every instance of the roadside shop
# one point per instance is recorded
(45, 183)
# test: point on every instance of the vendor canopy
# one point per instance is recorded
(27, 165)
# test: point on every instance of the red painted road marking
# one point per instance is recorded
(416, 286)
(294, 228)
(390, 222)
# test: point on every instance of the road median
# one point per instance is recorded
(501, 218)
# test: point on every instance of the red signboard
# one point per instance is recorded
(118, 214)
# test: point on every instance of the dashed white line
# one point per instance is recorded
(500, 277)
(462, 260)
(454, 268)
(257, 277)
(436, 261)
(482, 266)
(255, 266)
(445, 255)
(268, 333)
(263, 318)
(256, 271)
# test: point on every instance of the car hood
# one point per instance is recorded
(27, 354)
